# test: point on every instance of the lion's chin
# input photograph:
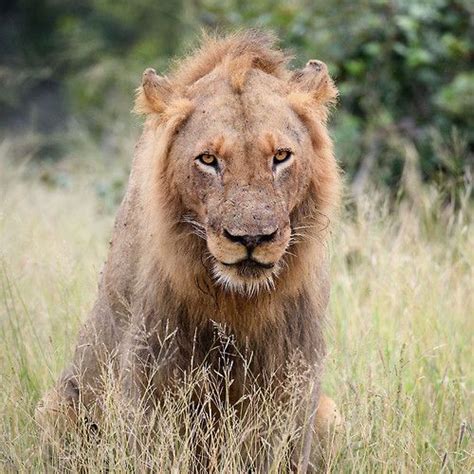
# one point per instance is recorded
(246, 278)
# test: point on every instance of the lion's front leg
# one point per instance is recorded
(148, 360)
(136, 370)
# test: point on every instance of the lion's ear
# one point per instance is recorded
(314, 81)
(154, 94)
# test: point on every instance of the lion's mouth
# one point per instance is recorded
(249, 267)
(247, 276)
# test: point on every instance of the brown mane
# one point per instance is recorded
(237, 55)
(239, 52)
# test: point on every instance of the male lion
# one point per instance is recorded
(224, 222)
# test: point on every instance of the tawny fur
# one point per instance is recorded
(162, 277)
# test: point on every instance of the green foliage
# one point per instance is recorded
(404, 68)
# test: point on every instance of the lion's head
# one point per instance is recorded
(245, 162)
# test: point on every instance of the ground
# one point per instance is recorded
(400, 364)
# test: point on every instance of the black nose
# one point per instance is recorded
(250, 241)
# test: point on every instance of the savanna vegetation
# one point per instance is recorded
(400, 336)
(401, 327)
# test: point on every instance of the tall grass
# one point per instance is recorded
(400, 365)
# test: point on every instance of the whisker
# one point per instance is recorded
(305, 237)
(321, 227)
(198, 229)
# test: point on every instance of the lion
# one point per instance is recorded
(224, 222)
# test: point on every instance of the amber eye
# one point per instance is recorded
(281, 156)
(207, 159)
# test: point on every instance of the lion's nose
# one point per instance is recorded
(251, 241)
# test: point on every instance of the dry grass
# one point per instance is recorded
(401, 341)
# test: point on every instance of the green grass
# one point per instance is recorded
(401, 334)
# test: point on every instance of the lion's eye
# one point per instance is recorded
(281, 156)
(207, 159)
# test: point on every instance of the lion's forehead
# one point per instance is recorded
(242, 118)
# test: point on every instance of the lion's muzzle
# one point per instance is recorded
(250, 242)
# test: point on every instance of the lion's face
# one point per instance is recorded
(244, 159)
(241, 164)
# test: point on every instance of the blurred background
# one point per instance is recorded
(404, 68)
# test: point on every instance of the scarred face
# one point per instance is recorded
(244, 163)
(250, 152)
